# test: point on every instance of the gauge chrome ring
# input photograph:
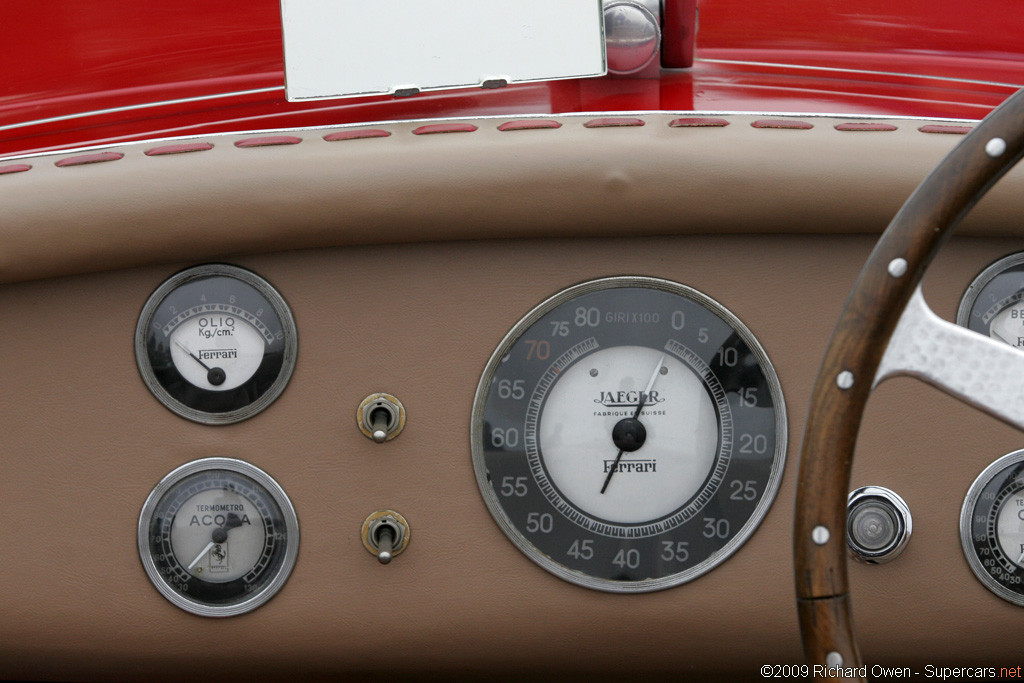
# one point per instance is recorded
(495, 507)
(896, 508)
(967, 513)
(262, 287)
(272, 488)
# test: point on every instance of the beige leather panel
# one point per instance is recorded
(571, 181)
(84, 443)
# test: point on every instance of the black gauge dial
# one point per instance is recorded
(629, 434)
(992, 527)
(993, 304)
(218, 537)
(216, 344)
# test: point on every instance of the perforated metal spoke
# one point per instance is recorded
(982, 372)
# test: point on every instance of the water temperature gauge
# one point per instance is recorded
(992, 527)
(218, 537)
(216, 344)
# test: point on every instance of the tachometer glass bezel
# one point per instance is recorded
(626, 543)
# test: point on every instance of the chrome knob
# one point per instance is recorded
(878, 524)
(385, 543)
(632, 36)
(380, 419)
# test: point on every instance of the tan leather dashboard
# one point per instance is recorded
(381, 257)
(142, 203)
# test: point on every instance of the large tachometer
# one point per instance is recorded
(629, 434)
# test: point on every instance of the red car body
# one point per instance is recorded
(114, 71)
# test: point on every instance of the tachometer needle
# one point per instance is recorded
(644, 395)
(200, 555)
(214, 376)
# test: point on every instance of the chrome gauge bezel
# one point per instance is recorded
(967, 513)
(265, 290)
(272, 488)
(978, 284)
(580, 578)
(900, 512)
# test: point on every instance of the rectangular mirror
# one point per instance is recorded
(351, 48)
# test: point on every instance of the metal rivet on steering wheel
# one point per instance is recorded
(886, 304)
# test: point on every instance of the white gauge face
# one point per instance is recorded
(679, 445)
(1008, 325)
(1010, 528)
(208, 342)
(218, 535)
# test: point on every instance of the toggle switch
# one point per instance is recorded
(385, 535)
(381, 417)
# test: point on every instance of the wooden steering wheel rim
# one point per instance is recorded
(858, 343)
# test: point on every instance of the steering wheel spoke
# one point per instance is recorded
(982, 372)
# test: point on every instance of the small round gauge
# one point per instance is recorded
(216, 344)
(218, 537)
(993, 304)
(629, 434)
(992, 527)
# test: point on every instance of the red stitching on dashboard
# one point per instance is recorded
(529, 124)
(613, 123)
(437, 128)
(948, 130)
(269, 142)
(179, 149)
(89, 159)
(864, 126)
(16, 168)
(357, 134)
(465, 127)
(698, 123)
(782, 124)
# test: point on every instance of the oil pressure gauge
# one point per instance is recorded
(629, 434)
(216, 344)
(218, 537)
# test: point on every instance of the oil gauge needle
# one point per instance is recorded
(200, 555)
(640, 406)
(214, 376)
